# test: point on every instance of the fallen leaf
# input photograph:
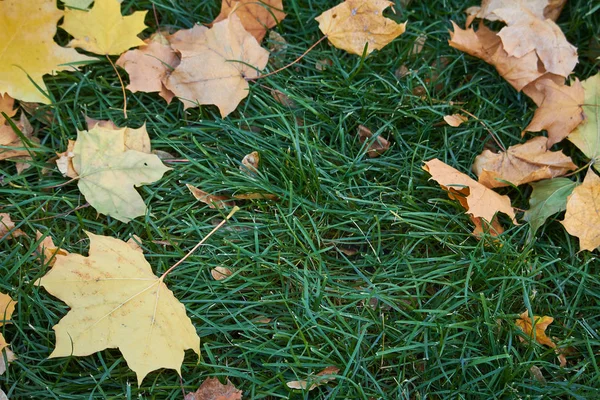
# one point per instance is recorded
(322, 65)
(541, 9)
(418, 44)
(582, 218)
(6, 354)
(547, 198)
(355, 23)
(134, 242)
(116, 301)
(587, 135)
(523, 163)
(12, 144)
(102, 29)
(482, 227)
(525, 33)
(3, 395)
(315, 381)
(277, 44)
(455, 120)
(7, 307)
(135, 138)
(212, 389)
(256, 196)
(214, 68)
(149, 65)
(213, 201)
(560, 112)
(539, 325)
(537, 374)
(64, 162)
(256, 16)
(108, 172)
(283, 99)
(220, 273)
(29, 51)
(7, 106)
(487, 45)
(262, 320)
(48, 250)
(250, 163)
(478, 200)
(376, 147)
(7, 225)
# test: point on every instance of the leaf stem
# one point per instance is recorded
(122, 86)
(200, 243)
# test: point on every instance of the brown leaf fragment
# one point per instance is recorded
(537, 374)
(538, 327)
(256, 196)
(537, 92)
(10, 357)
(455, 120)
(250, 163)
(560, 112)
(212, 389)
(283, 99)
(523, 163)
(582, 218)
(220, 273)
(256, 16)
(478, 200)
(482, 227)
(134, 242)
(277, 44)
(213, 201)
(541, 9)
(149, 65)
(376, 147)
(7, 104)
(315, 381)
(64, 162)
(12, 145)
(7, 225)
(48, 250)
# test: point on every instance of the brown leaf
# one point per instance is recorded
(256, 196)
(7, 104)
(149, 65)
(7, 225)
(455, 120)
(64, 162)
(321, 378)
(482, 226)
(220, 273)
(250, 163)
(48, 250)
(13, 146)
(542, 9)
(212, 389)
(478, 200)
(322, 65)
(283, 99)
(10, 357)
(354, 23)
(256, 16)
(582, 218)
(376, 147)
(540, 324)
(523, 163)
(214, 68)
(560, 112)
(213, 201)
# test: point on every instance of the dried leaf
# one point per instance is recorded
(256, 196)
(116, 301)
(13, 147)
(5, 354)
(478, 200)
(48, 250)
(541, 9)
(7, 225)
(315, 381)
(537, 374)
(214, 68)
(376, 147)
(256, 16)
(355, 23)
(29, 51)
(283, 99)
(250, 163)
(582, 218)
(539, 324)
(64, 162)
(212, 389)
(102, 29)
(587, 135)
(560, 112)
(277, 44)
(322, 65)
(7, 105)
(220, 273)
(213, 201)
(482, 227)
(7, 307)
(455, 120)
(523, 163)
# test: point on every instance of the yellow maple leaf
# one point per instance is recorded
(582, 218)
(352, 24)
(539, 326)
(103, 30)
(116, 301)
(27, 48)
(108, 172)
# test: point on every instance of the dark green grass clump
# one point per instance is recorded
(362, 264)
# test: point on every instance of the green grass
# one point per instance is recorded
(423, 310)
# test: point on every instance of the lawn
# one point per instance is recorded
(362, 263)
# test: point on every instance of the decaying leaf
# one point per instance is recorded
(28, 51)
(7, 307)
(256, 16)
(64, 162)
(48, 250)
(355, 23)
(256, 196)
(541, 9)
(250, 163)
(13, 146)
(523, 163)
(220, 273)
(213, 201)
(212, 389)
(582, 218)
(455, 120)
(102, 29)
(7, 225)
(116, 301)
(7, 354)
(547, 198)
(376, 147)
(560, 112)
(214, 68)
(108, 172)
(482, 227)
(539, 325)
(149, 66)
(587, 135)
(478, 200)
(7, 106)
(315, 381)
(283, 99)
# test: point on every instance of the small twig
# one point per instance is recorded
(62, 214)
(61, 184)
(290, 64)
(589, 164)
(122, 86)
(216, 228)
